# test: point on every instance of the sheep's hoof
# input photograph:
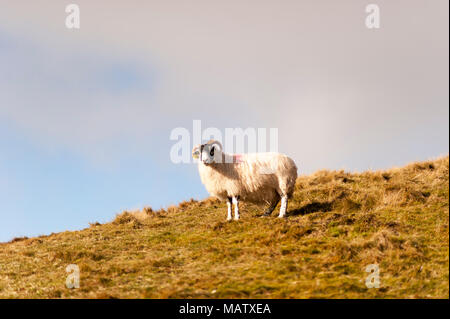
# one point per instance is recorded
(282, 216)
(236, 218)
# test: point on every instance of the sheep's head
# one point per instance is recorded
(208, 153)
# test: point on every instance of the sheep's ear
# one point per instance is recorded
(196, 151)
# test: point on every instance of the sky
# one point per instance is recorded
(86, 114)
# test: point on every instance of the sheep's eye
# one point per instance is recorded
(212, 152)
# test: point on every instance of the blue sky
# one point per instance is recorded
(51, 191)
(86, 115)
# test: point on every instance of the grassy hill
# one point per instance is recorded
(338, 223)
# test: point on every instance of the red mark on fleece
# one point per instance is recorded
(237, 158)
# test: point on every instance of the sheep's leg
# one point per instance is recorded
(283, 206)
(270, 209)
(229, 217)
(236, 207)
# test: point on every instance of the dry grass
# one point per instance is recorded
(338, 224)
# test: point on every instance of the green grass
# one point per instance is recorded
(338, 223)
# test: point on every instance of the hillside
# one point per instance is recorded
(338, 223)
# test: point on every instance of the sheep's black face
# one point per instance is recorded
(210, 154)
(207, 154)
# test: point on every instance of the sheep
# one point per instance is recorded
(254, 177)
